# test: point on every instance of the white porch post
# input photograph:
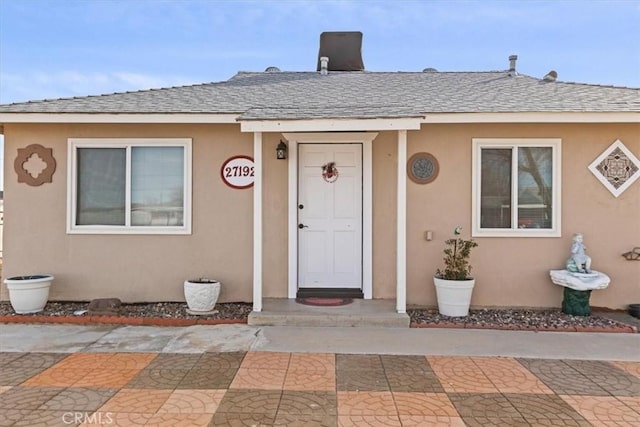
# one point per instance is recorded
(401, 258)
(257, 222)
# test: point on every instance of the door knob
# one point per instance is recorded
(300, 206)
(301, 226)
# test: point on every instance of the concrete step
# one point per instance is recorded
(360, 313)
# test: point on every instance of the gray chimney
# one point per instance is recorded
(344, 49)
(512, 65)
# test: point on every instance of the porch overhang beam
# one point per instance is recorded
(331, 125)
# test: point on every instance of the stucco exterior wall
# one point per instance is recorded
(131, 267)
(515, 271)
(509, 271)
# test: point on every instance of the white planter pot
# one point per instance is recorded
(454, 296)
(29, 294)
(201, 295)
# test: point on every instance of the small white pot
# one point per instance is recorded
(202, 294)
(454, 296)
(29, 294)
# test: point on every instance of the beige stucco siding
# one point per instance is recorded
(515, 271)
(509, 271)
(131, 267)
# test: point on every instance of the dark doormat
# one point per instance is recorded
(324, 302)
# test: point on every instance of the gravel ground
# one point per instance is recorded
(525, 319)
(485, 318)
(164, 310)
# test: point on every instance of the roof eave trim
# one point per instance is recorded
(117, 118)
(330, 125)
(534, 117)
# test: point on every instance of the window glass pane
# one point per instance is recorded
(157, 186)
(101, 186)
(495, 188)
(534, 187)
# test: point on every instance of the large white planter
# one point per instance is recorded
(201, 295)
(29, 294)
(454, 296)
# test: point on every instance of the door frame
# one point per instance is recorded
(364, 138)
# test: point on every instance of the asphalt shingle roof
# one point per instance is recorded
(310, 95)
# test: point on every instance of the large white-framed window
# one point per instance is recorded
(516, 187)
(129, 186)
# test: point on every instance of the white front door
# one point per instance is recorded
(330, 216)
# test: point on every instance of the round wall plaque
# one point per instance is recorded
(422, 168)
(238, 172)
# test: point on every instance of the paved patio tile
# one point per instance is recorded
(562, 378)
(424, 404)
(37, 360)
(79, 399)
(42, 418)
(536, 408)
(57, 377)
(137, 401)
(119, 419)
(173, 361)
(461, 375)
(259, 379)
(358, 362)
(266, 360)
(362, 380)
(405, 363)
(207, 379)
(193, 402)
(314, 389)
(604, 410)
(9, 357)
(301, 380)
(260, 402)
(611, 378)
(14, 375)
(509, 376)
(158, 378)
(230, 419)
(179, 420)
(366, 403)
(87, 361)
(129, 361)
(107, 378)
(319, 363)
(305, 420)
(368, 420)
(28, 397)
(413, 381)
(631, 367)
(220, 361)
(308, 403)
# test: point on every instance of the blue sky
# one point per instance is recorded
(60, 48)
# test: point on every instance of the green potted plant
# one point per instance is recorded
(454, 284)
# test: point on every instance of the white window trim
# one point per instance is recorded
(556, 145)
(72, 150)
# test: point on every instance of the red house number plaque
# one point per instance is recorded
(238, 172)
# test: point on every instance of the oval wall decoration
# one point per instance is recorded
(422, 168)
(238, 172)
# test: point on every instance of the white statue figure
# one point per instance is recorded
(580, 258)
